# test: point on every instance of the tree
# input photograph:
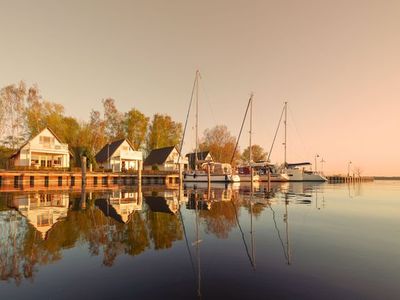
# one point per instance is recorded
(136, 124)
(12, 103)
(257, 153)
(220, 143)
(113, 120)
(163, 132)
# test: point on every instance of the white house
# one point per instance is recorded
(42, 210)
(119, 156)
(165, 159)
(43, 150)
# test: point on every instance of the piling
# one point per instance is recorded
(83, 163)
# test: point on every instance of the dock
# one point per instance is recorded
(345, 179)
(34, 180)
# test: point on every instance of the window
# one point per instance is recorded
(72, 180)
(95, 180)
(46, 140)
(32, 181)
(46, 181)
(59, 180)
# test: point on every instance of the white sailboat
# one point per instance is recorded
(205, 171)
(297, 171)
(248, 176)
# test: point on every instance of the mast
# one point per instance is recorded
(250, 133)
(286, 217)
(285, 121)
(197, 119)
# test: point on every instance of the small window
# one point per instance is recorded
(72, 180)
(95, 180)
(59, 180)
(32, 181)
(16, 181)
(46, 181)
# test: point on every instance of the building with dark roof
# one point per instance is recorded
(202, 157)
(165, 159)
(119, 156)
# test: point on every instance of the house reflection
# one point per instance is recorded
(42, 210)
(167, 201)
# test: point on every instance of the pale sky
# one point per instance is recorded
(336, 62)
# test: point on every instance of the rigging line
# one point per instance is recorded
(188, 112)
(276, 133)
(306, 151)
(187, 242)
(208, 101)
(277, 230)
(243, 238)
(241, 128)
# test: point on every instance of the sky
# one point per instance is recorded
(336, 63)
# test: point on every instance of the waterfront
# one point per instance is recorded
(298, 240)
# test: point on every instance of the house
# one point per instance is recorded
(43, 150)
(119, 156)
(165, 159)
(42, 211)
(202, 157)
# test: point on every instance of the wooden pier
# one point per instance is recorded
(34, 180)
(345, 179)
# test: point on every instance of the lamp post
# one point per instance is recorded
(322, 165)
(315, 159)
(348, 169)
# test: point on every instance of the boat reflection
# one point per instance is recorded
(35, 228)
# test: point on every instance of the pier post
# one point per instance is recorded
(208, 175)
(140, 172)
(180, 174)
(83, 167)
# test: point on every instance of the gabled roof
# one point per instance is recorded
(158, 156)
(157, 204)
(200, 155)
(51, 131)
(108, 150)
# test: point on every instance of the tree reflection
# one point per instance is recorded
(129, 230)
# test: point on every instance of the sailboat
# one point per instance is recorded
(246, 173)
(297, 171)
(204, 170)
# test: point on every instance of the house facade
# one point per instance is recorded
(119, 156)
(165, 159)
(42, 210)
(202, 157)
(44, 150)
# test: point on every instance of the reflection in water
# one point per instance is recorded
(262, 226)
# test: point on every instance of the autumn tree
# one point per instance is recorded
(257, 153)
(114, 120)
(221, 144)
(12, 103)
(136, 124)
(163, 132)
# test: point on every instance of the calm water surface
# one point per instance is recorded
(293, 241)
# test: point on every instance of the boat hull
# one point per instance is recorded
(247, 177)
(213, 178)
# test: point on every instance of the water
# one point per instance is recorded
(303, 241)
